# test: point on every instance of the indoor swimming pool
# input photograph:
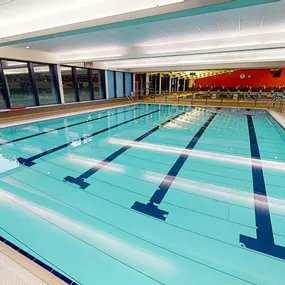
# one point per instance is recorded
(148, 194)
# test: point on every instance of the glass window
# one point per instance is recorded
(98, 81)
(129, 83)
(19, 83)
(2, 101)
(119, 84)
(111, 84)
(68, 84)
(46, 84)
(83, 84)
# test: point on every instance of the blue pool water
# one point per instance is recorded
(149, 194)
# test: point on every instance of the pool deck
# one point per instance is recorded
(9, 118)
(279, 117)
(34, 114)
(16, 269)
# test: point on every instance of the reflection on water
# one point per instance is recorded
(8, 162)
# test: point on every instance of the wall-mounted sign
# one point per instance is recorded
(88, 63)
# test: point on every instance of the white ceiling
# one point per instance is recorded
(255, 27)
(24, 16)
(236, 22)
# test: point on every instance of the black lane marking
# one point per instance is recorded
(80, 179)
(39, 262)
(135, 235)
(264, 241)
(64, 127)
(29, 161)
(151, 208)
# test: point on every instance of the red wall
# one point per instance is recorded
(253, 77)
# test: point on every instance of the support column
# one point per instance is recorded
(5, 88)
(75, 82)
(115, 84)
(147, 84)
(34, 83)
(170, 84)
(184, 84)
(159, 83)
(134, 82)
(141, 84)
(154, 84)
(101, 79)
(106, 84)
(61, 92)
(124, 84)
(191, 81)
(167, 79)
(90, 83)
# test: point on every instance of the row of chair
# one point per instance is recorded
(260, 89)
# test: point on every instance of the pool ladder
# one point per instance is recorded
(278, 100)
(130, 98)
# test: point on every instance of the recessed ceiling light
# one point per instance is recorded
(27, 47)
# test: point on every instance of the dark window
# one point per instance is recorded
(98, 81)
(19, 83)
(83, 84)
(68, 85)
(46, 84)
(2, 100)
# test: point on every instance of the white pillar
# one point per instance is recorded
(170, 84)
(147, 84)
(134, 83)
(106, 84)
(61, 92)
(160, 78)
(141, 84)
(184, 84)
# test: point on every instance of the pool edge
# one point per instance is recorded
(66, 115)
(32, 264)
(278, 117)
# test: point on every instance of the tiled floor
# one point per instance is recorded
(15, 269)
(49, 112)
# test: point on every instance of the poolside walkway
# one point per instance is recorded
(16, 269)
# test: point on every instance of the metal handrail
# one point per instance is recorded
(280, 101)
(130, 98)
(277, 99)
(130, 101)
(253, 99)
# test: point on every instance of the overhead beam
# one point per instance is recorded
(28, 55)
(183, 9)
(253, 65)
(191, 47)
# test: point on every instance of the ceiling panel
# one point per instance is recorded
(24, 16)
(248, 18)
(227, 17)
(228, 29)
(270, 17)
(274, 25)
(257, 19)
(204, 22)
(275, 8)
